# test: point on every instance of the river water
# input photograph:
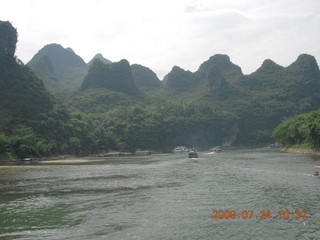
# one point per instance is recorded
(264, 194)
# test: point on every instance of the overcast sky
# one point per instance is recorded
(162, 33)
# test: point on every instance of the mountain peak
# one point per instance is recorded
(116, 76)
(145, 78)
(180, 79)
(101, 58)
(305, 64)
(269, 67)
(177, 69)
(222, 61)
(220, 58)
(58, 67)
(54, 46)
(8, 39)
(306, 57)
(124, 62)
(71, 50)
(306, 60)
(61, 56)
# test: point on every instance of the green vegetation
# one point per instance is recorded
(145, 79)
(164, 127)
(116, 77)
(302, 131)
(107, 106)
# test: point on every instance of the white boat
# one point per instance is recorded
(216, 149)
(144, 153)
(180, 149)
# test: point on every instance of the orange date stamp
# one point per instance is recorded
(263, 214)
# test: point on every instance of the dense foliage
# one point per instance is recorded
(32, 121)
(122, 129)
(303, 130)
(26, 110)
(165, 127)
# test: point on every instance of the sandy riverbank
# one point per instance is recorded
(67, 160)
(50, 162)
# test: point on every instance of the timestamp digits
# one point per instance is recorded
(262, 214)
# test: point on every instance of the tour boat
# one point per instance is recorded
(316, 174)
(216, 149)
(180, 149)
(193, 154)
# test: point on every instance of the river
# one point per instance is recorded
(236, 194)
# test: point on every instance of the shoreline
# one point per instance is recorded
(59, 162)
(65, 160)
(300, 151)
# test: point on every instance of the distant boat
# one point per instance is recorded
(144, 153)
(110, 154)
(193, 154)
(180, 149)
(316, 174)
(216, 149)
(275, 145)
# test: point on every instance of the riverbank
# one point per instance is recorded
(300, 151)
(43, 163)
(66, 160)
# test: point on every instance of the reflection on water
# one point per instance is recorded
(162, 197)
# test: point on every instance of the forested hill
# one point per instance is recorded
(26, 107)
(252, 105)
(275, 93)
(63, 71)
(257, 102)
(118, 106)
(116, 76)
(145, 79)
(23, 97)
(33, 123)
(60, 68)
(107, 86)
(213, 76)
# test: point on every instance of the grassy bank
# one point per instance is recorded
(300, 150)
(7, 156)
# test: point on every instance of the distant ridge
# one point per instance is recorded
(145, 79)
(116, 76)
(60, 68)
(258, 101)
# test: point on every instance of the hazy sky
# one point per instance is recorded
(162, 33)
